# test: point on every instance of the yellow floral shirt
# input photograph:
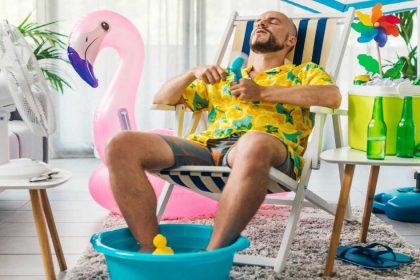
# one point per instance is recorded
(228, 115)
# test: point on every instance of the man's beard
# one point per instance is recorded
(266, 47)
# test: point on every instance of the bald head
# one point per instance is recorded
(291, 28)
(273, 31)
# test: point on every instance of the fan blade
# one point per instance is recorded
(26, 82)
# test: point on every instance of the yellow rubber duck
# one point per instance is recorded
(159, 241)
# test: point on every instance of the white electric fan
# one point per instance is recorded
(22, 86)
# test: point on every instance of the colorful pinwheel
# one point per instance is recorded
(377, 26)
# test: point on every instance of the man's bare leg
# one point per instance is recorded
(129, 154)
(245, 190)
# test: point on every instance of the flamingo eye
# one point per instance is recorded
(105, 26)
(86, 39)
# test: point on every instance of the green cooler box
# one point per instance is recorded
(361, 100)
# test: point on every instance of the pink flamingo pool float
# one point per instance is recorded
(106, 29)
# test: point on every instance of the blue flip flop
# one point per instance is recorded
(389, 254)
(364, 257)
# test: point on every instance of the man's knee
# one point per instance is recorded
(120, 147)
(144, 149)
(256, 147)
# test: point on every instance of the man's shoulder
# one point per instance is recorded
(308, 66)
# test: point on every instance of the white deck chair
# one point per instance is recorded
(321, 39)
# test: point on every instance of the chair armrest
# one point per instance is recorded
(328, 111)
(314, 109)
(163, 107)
(179, 110)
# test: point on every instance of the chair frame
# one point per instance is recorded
(311, 156)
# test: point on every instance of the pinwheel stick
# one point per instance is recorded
(379, 60)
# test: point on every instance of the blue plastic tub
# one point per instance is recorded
(124, 262)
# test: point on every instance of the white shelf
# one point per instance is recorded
(62, 176)
(351, 156)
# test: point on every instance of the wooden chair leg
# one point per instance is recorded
(53, 230)
(339, 218)
(42, 233)
(373, 179)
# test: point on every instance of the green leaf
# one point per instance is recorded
(395, 71)
(24, 21)
(49, 46)
(413, 53)
(406, 25)
(369, 63)
(56, 81)
(417, 81)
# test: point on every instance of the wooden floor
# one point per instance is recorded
(77, 216)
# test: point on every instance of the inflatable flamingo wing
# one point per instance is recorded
(94, 32)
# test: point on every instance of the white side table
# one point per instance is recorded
(41, 210)
(351, 158)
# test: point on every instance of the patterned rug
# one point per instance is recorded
(308, 251)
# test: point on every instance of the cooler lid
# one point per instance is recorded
(399, 91)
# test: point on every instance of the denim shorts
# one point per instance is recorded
(215, 154)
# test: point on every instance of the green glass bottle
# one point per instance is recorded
(406, 130)
(376, 134)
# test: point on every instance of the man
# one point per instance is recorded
(261, 121)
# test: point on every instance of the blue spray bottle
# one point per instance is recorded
(235, 68)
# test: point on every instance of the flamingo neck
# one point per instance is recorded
(127, 77)
(121, 93)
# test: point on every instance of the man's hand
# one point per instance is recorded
(210, 74)
(246, 89)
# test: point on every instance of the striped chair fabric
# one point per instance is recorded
(206, 181)
(313, 43)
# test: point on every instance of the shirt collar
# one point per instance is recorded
(278, 69)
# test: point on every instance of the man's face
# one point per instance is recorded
(271, 30)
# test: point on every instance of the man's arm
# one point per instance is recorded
(304, 96)
(171, 92)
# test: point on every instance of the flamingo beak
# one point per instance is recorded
(83, 67)
(82, 51)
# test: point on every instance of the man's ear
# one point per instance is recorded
(291, 41)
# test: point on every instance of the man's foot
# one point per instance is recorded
(146, 248)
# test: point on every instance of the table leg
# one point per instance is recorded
(53, 230)
(373, 179)
(339, 218)
(42, 233)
